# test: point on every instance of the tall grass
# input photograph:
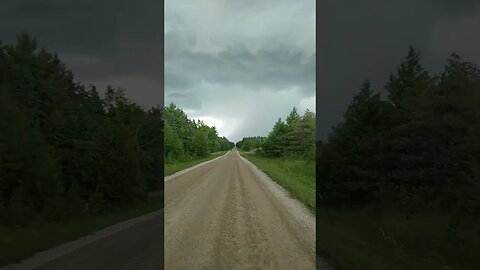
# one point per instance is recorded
(297, 176)
(360, 239)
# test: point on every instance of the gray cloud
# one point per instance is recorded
(273, 69)
(366, 39)
(105, 41)
(242, 65)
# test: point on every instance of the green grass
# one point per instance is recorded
(363, 240)
(295, 175)
(175, 166)
(17, 243)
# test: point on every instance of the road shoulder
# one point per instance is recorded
(174, 175)
(49, 255)
(293, 206)
(296, 209)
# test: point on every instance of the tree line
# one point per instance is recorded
(250, 143)
(187, 139)
(416, 149)
(64, 150)
(294, 137)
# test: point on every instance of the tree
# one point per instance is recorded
(28, 179)
(200, 140)
(294, 137)
(304, 135)
(275, 143)
(63, 149)
(293, 117)
(410, 80)
(417, 149)
(343, 178)
(186, 139)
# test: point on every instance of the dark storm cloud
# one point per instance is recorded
(366, 39)
(80, 27)
(177, 81)
(102, 41)
(188, 100)
(240, 65)
(275, 69)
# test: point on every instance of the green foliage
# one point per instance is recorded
(410, 81)
(28, 181)
(418, 149)
(186, 139)
(359, 238)
(250, 143)
(201, 142)
(297, 176)
(294, 137)
(61, 144)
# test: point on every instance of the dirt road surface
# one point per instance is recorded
(228, 215)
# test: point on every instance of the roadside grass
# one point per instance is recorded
(172, 167)
(18, 243)
(359, 239)
(297, 176)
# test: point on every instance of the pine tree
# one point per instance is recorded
(410, 80)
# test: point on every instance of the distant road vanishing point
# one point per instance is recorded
(227, 214)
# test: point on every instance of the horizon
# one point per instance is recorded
(213, 122)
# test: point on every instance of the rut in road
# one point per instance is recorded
(220, 216)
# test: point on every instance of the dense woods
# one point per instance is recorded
(294, 137)
(187, 139)
(250, 143)
(417, 149)
(64, 150)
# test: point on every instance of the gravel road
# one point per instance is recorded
(227, 214)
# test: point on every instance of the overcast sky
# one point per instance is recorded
(366, 39)
(117, 42)
(240, 65)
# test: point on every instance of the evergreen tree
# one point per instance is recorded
(410, 80)
(63, 149)
(417, 149)
(187, 139)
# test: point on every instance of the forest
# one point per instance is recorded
(65, 151)
(399, 177)
(294, 137)
(250, 143)
(417, 148)
(187, 139)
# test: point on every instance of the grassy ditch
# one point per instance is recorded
(297, 176)
(361, 239)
